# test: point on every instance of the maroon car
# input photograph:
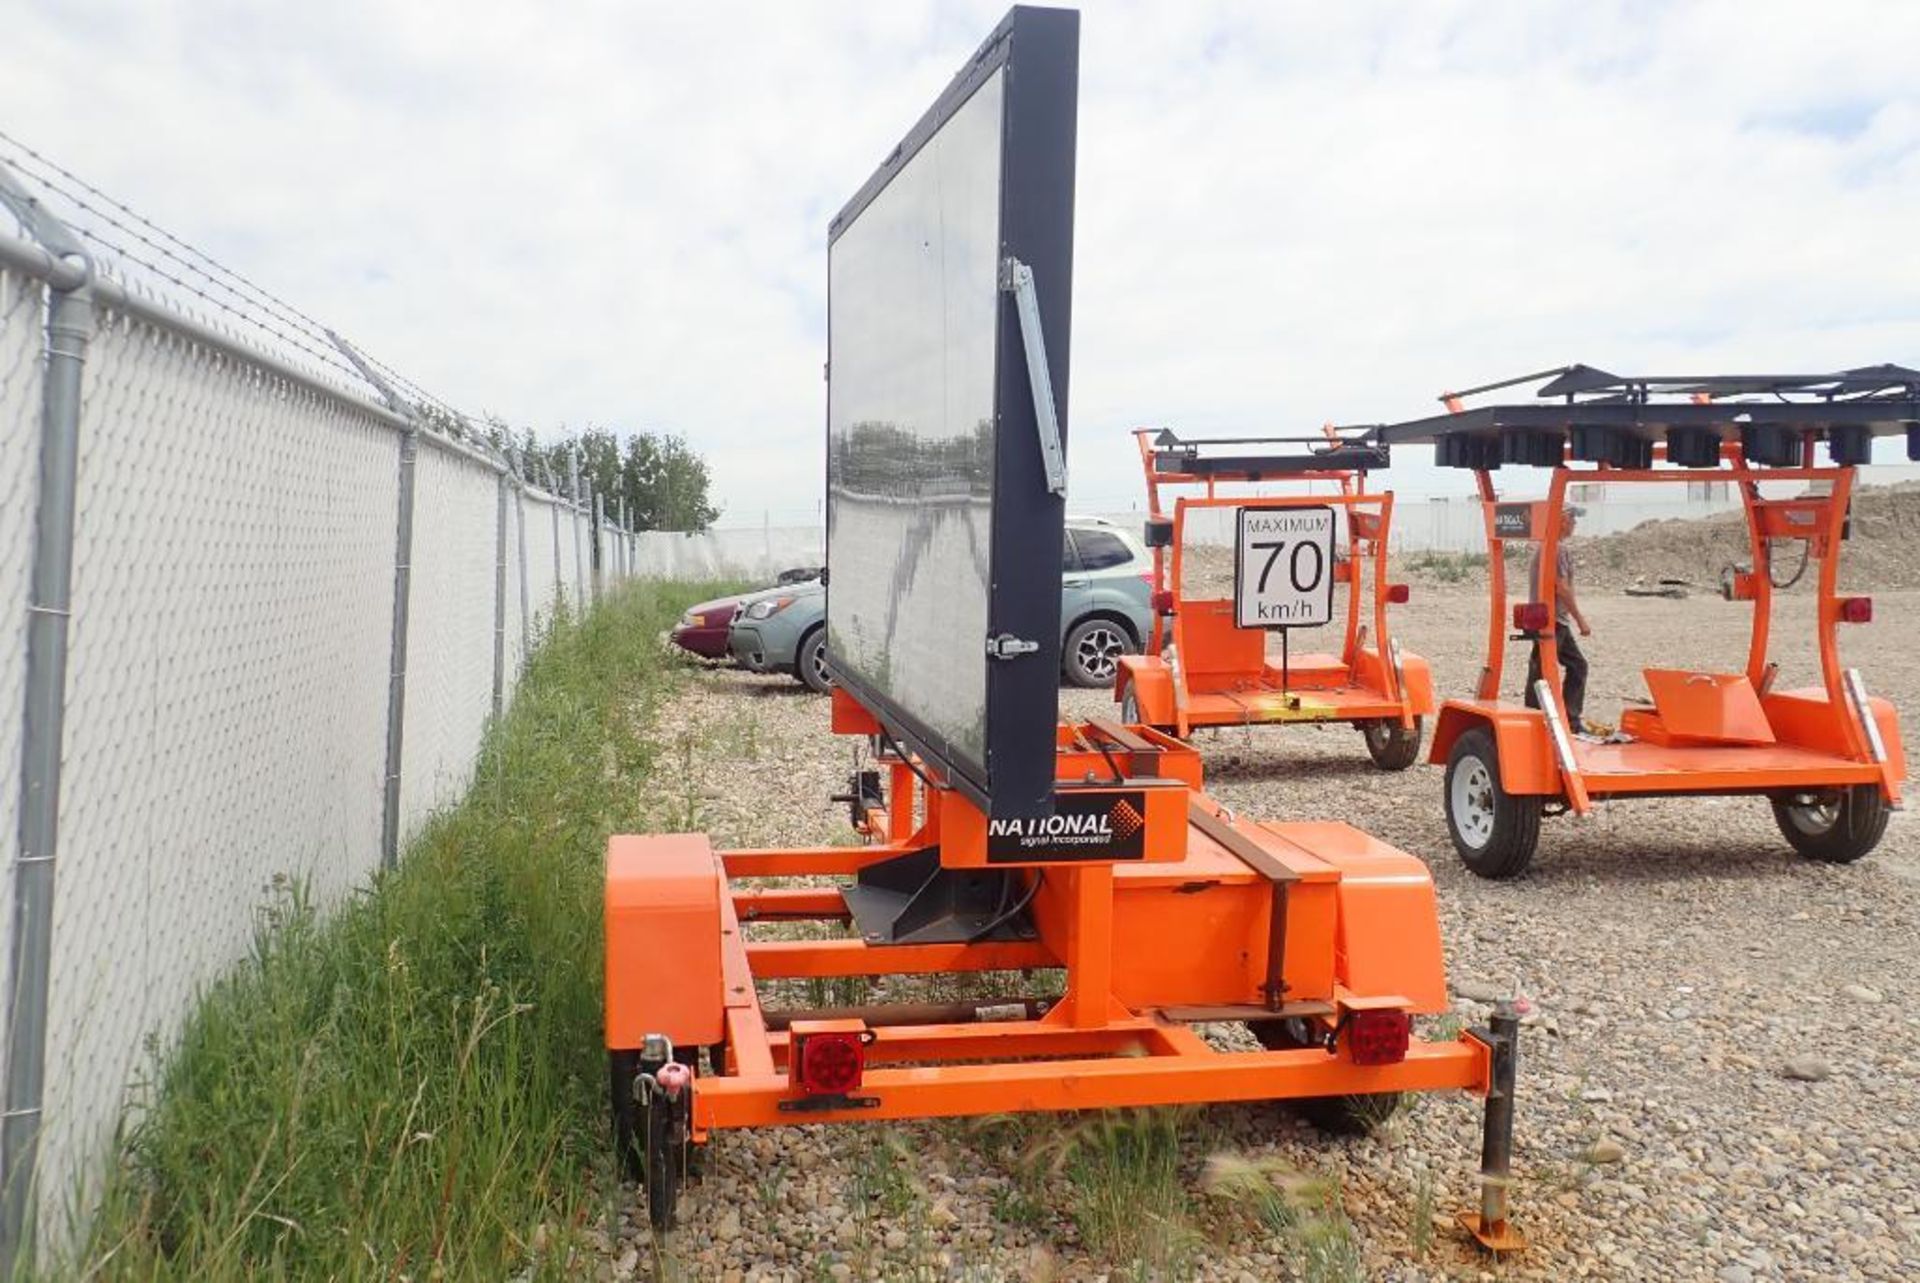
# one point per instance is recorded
(703, 629)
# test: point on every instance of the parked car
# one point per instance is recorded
(702, 630)
(1106, 588)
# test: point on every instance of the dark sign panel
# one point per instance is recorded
(1106, 825)
(943, 538)
(1513, 521)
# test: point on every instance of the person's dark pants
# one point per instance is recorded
(1573, 675)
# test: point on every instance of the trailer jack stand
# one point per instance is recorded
(1489, 1225)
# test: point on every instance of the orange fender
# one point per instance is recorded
(1387, 937)
(1520, 739)
(663, 940)
(1419, 683)
(1151, 682)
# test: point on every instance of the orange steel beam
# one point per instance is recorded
(1089, 1000)
(794, 959)
(949, 1091)
(1496, 591)
(790, 904)
(811, 863)
(1014, 1040)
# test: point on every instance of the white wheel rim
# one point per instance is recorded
(820, 664)
(1471, 797)
(1099, 651)
(1129, 709)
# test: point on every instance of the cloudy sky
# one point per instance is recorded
(615, 213)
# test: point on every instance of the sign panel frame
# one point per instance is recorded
(1276, 576)
(1008, 768)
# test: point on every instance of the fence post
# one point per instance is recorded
(579, 547)
(402, 597)
(69, 328)
(500, 593)
(599, 552)
(520, 529)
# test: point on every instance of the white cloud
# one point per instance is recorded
(1286, 213)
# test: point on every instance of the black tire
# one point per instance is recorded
(1130, 712)
(666, 1159)
(651, 1142)
(628, 1142)
(809, 664)
(1392, 747)
(1091, 655)
(1839, 828)
(1494, 832)
(1359, 1115)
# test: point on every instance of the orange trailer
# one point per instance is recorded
(1205, 666)
(1828, 757)
(1163, 909)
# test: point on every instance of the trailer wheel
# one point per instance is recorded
(1130, 712)
(1359, 1115)
(622, 1068)
(667, 1144)
(1392, 746)
(1835, 828)
(651, 1138)
(1494, 831)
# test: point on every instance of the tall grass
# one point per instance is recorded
(413, 1085)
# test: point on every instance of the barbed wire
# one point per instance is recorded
(238, 295)
(262, 297)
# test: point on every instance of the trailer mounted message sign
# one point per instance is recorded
(950, 282)
(1283, 567)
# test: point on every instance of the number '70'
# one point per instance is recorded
(1273, 549)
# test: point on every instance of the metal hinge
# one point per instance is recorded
(1017, 279)
(1007, 646)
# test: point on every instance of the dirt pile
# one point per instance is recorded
(1882, 554)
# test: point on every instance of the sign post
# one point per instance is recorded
(1283, 571)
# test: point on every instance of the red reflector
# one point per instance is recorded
(828, 1064)
(1398, 593)
(1163, 602)
(1532, 617)
(1856, 610)
(1378, 1037)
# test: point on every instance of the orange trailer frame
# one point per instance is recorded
(1201, 669)
(1829, 757)
(1322, 940)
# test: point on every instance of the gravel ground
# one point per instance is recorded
(1677, 956)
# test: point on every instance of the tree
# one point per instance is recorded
(662, 481)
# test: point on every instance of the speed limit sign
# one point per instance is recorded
(1283, 567)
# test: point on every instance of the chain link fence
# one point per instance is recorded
(266, 596)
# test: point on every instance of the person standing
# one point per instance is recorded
(1567, 616)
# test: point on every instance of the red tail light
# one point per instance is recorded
(1398, 594)
(828, 1064)
(1532, 617)
(1146, 577)
(1856, 610)
(1378, 1037)
(1163, 602)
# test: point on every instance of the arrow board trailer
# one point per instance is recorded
(1085, 858)
(1283, 567)
(1310, 528)
(1827, 757)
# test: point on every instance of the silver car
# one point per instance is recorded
(1106, 588)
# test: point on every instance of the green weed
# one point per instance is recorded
(414, 1085)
